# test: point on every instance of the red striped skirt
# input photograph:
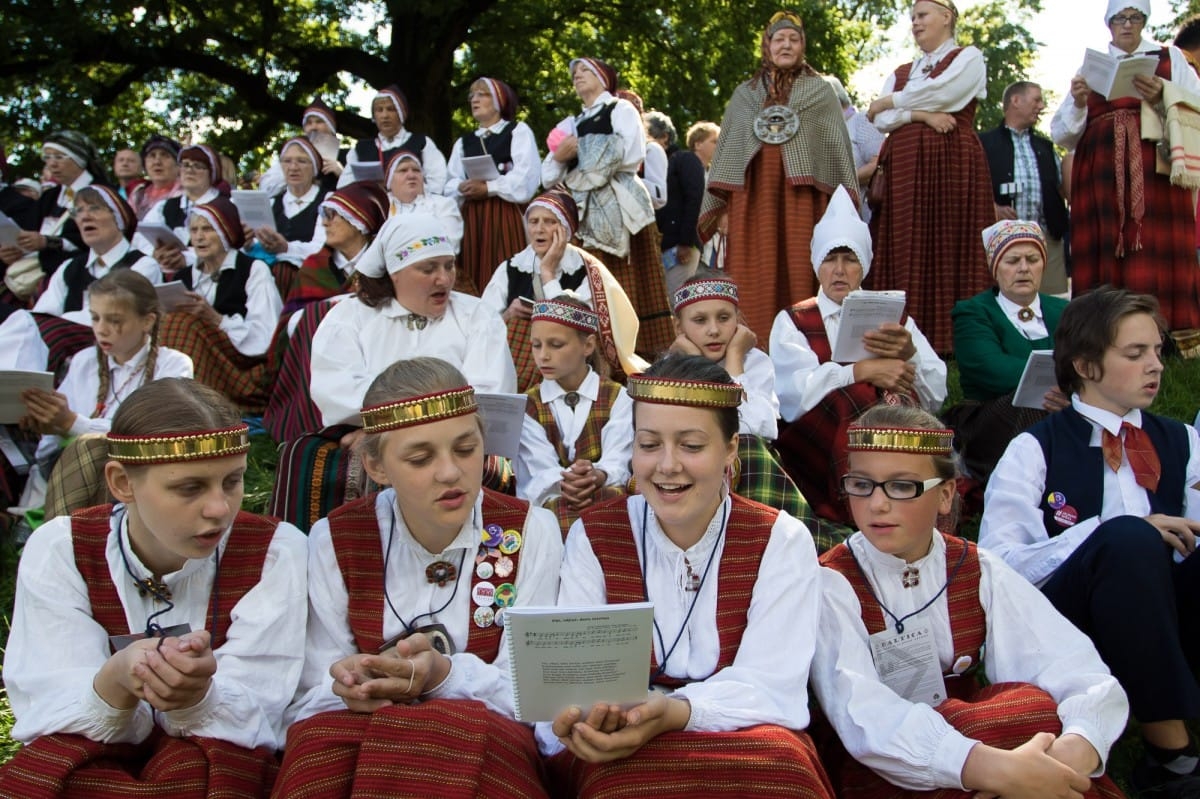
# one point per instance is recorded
(290, 411)
(765, 762)
(445, 748)
(245, 380)
(641, 275)
(1004, 715)
(63, 338)
(73, 767)
(493, 229)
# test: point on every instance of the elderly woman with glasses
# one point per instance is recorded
(199, 171)
(1130, 226)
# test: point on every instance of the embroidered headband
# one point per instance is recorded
(999, 237)
(561, 313)
(699, 290)
(918, 441)
(562, 205)
(174, 448)
(674, 391)
(405, 239)
(784, 19)
(419, 410)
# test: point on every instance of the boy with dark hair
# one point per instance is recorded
(1095, 505)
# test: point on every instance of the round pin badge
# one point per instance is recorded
(1056, 499)
(484, 617)
(511, 542)
(504, 567)
(483, 594)
(492, 535)
(1066, 516)
(500, 617)
(506, 595)
(484, 570)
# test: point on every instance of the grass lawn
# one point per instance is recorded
(1178, 399)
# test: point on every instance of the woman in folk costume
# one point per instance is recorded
(59, 324)
(820, 398)
(199, 172)
(1130, 226)
(352, 216)
(549, 266)
(596, 155)
(902, 599)
(936, 184)
(492, 209)
(407, 186)
(318, 123)
(389, 111)
(405, 617)
(226, 324)
(578, 451)
(156, 643)
(728, 707)
(404, 303)
(782, 151)
(297, 210)
(160, 156)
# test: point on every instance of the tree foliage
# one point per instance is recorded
(999, 29)
(239, 72)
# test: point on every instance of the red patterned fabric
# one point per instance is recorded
(244, 379)
(926, 232)
(445, 748)
(317, 279)
(812, 448)
(1143, 458)
(746, 535)
(493, 229)
(642, 276)
(63, 338)
(290, 411)
(355, 533)
(1159, 248)
(73, 766)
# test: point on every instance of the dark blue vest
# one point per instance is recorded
(78, 277)
(1075, 470)
(368, 150)
(497, 145)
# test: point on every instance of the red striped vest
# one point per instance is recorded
(355, 534)
(746, 535)
(587, 446)
(968, 622)
(240, 568)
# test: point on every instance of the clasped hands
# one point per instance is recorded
(609, 733)
(397, 676)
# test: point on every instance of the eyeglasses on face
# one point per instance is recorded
(193, 166)
(1120, 20)
(857, 486)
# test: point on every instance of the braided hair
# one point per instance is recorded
(138, 294)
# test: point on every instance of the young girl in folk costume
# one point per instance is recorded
(155, 643)
(578, 452)
(408, 595)
(549, 266)
(728, 709)
(709, 323)
(125, 314)
(906, 596)
(389, 112)
(492, 209)
(233, 305)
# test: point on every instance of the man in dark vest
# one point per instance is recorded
(1027, 176)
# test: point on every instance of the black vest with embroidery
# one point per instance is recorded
(230, 299)
(78, 277)
(520, 283)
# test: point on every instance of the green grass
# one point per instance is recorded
(1178, 399)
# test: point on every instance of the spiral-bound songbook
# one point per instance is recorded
(578, 656)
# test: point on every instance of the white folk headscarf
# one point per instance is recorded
(841, 226)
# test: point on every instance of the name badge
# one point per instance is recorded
(907, 663)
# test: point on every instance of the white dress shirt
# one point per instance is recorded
(433, 163)
(766, 684)
(519, 184)
(495, 295)
(355, 342)
(626, 123)
(1066, 128)
(1013, 526)
(444, 208)
(964, 80)
(250, 334)
(1027, 640)
(802, 381)
(539, 472)
(56, 648)
(55, 296)
(330, 638)
(760, 407)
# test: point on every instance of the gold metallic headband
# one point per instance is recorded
(948, 5)
(419, 410)
(169, 448)
(919, 441)
(671, 391)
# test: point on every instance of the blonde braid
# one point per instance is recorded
(152, 356)
(102, 392)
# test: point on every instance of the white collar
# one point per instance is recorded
(111, 257)
(941, 50)
(889, 564)
(394, 310)
(826, 306)
(119, 524)
(467, 538)
(135, 362)
(570, 263)
(697, 550)
(386, 144)
(305, 198)
(1105, 419)
(602, 99)
(1011, 309)
(493, 130)
(230, 261)
(1147, 45)
(589, 388)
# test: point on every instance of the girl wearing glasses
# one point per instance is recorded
(1131, 227)
(915, 621)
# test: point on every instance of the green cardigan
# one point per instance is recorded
(990, 351)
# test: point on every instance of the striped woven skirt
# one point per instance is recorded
(73, 767)
(445, 748)
(63, 338)
(493, 229)
(765, 762)
(244, 379)
(290, 411)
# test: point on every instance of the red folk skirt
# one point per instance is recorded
(244, 379)
(493, 229)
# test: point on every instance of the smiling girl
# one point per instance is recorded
(727, 707)
(408, 596)
(156, 642)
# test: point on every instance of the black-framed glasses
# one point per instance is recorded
(1128, 19)
(857, 486)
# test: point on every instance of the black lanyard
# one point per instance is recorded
(410, 626)
(900, 622)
